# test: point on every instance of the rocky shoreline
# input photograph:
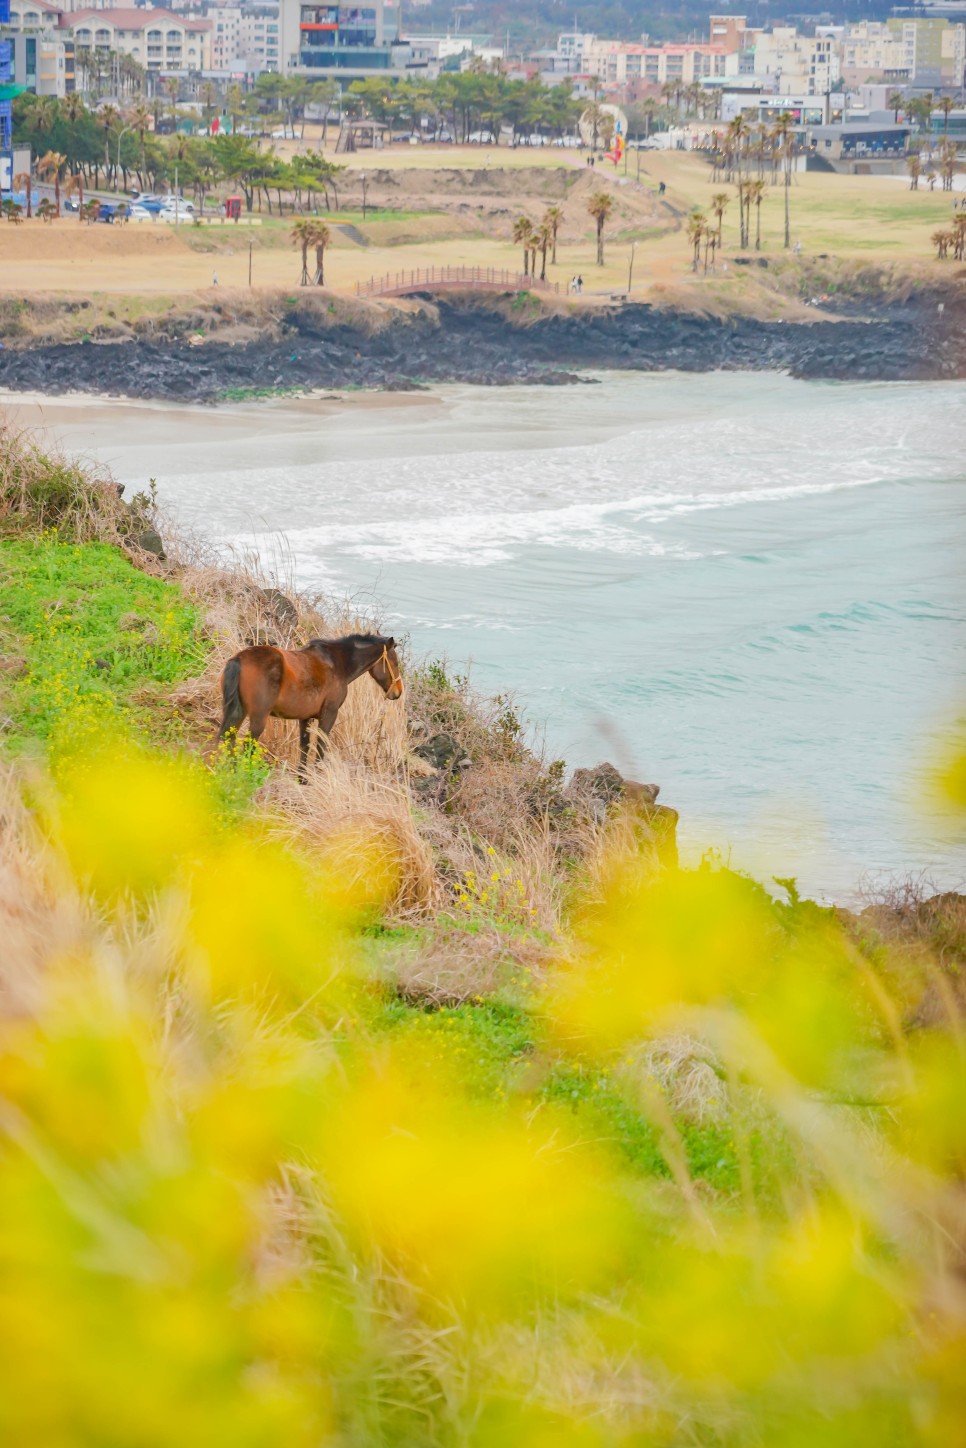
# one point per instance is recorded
(460, 340)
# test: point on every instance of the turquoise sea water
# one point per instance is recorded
(747, 588)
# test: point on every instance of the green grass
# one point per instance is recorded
(495, 1051)
(101, 642)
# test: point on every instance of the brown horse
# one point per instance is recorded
(304, 684)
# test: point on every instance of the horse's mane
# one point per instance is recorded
(377, 640)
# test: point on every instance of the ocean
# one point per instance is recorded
(747, 588)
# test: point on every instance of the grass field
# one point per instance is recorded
(871, 219)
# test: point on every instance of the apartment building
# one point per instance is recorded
(156, 38)
(616, 63)
(934, 52)
(258, 40)
(870, 49)
(797, 64)
(225, 31)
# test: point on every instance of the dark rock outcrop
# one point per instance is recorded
(603, 789)
(463, 341)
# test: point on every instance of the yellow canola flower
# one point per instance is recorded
(129, 1310)
(930, 1121)
(83, 1077)
(683, 939)
(128, 823)
(760, 1309)
(468, 1203)
(951, 778)
(264, 1106)
(257, 926)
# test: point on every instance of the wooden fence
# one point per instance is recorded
(441, 278)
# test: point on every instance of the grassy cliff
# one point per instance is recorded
(428, 1103)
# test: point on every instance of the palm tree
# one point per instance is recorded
(543, 236)
(209, 95)
(75, 185)
(593, 117)
(45, 209)
(43, 114)
(553, 217)
(945, 105)
(915, 171)
(947, 165)
(940, 240)
(321, 237)
(738, 132)
(744, 212)
(959, 237)
(756, 192)
(696, 230)
(171, 88)
(894, 101)
(784, 134)
(51, 167)
(108, 118)
(303, 235)
(23, 181)
(718, 203)
(140, 119)
(522, 232)
(600, 205)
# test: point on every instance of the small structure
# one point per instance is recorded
(857, 146)
(362, 136)
(233, 206)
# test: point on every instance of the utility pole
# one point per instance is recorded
(249, 261)
(630, 269)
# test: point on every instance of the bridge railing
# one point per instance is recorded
(428, 278)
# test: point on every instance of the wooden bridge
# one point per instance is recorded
(452, 278)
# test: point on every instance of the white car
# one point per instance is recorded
(139, 213)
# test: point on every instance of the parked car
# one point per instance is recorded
(107, 212)
(284, 133)
(141, 213)
(71, 203)
(172, 213)
(148, 202)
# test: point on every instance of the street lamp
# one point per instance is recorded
(365, 193)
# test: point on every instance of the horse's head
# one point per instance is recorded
(386, 670)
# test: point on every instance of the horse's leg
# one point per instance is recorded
(256, 728)
(303, 748)
(327, 717)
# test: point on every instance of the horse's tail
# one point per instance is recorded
(233, 708)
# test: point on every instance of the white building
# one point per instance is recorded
(157, 39)
(797, 64)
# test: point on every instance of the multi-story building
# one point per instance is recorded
(157, 39)
(347, 42)
(797, 64)
(43, 62)
(258, 40)
(869, 49)
(225, 31)
(616, 63)
(7, 91)
(934, 52)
